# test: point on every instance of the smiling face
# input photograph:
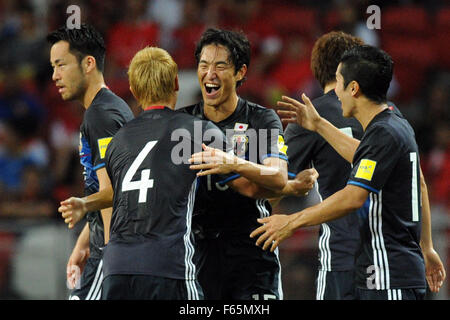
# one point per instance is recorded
(217, 76)
(67, 72)
(345, 95)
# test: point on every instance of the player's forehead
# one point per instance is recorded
(60, 51)
(213, 53)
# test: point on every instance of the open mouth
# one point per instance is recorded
(211, 88)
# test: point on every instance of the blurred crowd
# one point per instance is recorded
(39, 132)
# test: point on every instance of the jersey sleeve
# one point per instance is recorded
(99, 129)
(270, 130)
(301, 144)
(375, 158)
(109, 154)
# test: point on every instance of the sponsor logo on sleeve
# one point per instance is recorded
(282, 147)
(366, 169)
(103, 145)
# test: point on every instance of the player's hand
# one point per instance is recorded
(293, 111)
(213, 161)
(72, 210)
(303, 182)
(434, 270)
(75, 266)
(273, 231)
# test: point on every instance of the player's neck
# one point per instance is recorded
(368, 110)
(93, 88)
(222, 111)
(169, 104)
(329, 86)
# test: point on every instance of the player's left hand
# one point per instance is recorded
(434, 270)
(273, 231)
(213, 161)
(72, 210)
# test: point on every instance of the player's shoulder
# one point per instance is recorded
(259, 116)
(256, 108)
(107, 105)
(328, 105)
(388, 127)
(194, 110)
(191, 119)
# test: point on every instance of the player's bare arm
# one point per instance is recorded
(272, 174)
(305, 114)
(74, 209)
(434, 269)
(300, 186)
(277, 228)
(105, 183)
(78, 257)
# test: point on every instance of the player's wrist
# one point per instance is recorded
(426, 246)
(238, 165)
(320, 125)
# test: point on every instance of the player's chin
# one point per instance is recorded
(66, 97)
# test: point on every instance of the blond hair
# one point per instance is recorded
(152, 74)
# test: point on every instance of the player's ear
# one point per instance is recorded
(132, 92)
(241, 73)
(177, 87)
(355, 88)
(89, 63)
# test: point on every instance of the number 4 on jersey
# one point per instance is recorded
(145, 182)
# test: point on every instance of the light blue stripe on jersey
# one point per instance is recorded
(224, 181)
(271, 155)
(101, 165)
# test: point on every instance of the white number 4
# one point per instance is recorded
(145, 182)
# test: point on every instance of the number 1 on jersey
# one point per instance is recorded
(145, 182)
(414, 195)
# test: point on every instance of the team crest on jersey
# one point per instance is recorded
(240, 144)
(366, 169)
(102, 145)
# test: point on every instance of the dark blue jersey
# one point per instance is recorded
(254, 133)
(104, 117)
(154, 193)
(386, 163)
(338, 239)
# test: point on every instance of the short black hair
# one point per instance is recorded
(236, 43)
(83, 41)
(371, 67)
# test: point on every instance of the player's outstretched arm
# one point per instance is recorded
(306, 115)
(300, 186)
(277, 228)
(74, 209)
(434, 268)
